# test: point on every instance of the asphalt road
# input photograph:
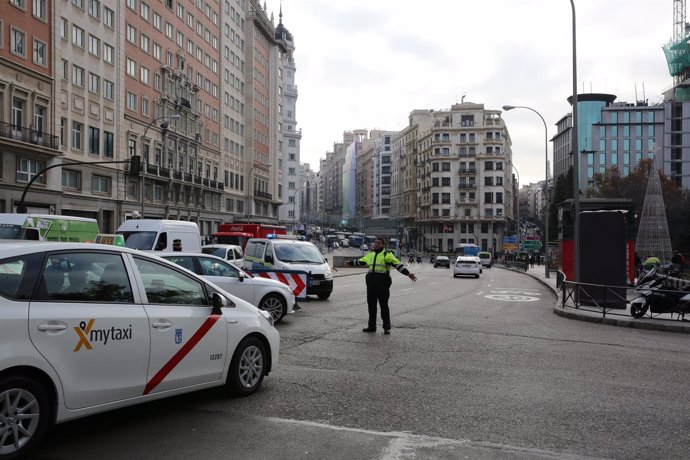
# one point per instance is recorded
(473, 368)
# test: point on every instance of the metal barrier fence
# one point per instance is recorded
(512, 264)
(616, 300)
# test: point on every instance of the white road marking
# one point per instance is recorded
(511, 297)
(480, 292)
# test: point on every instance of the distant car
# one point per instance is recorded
(467, 265)
(230, 252)
(266, 294)
(442, 261)
(485, 258)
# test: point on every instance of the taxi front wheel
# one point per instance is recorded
(24, 415)
(247, 368)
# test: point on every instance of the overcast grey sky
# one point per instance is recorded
(369, 63)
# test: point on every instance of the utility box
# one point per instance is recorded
(607, 249)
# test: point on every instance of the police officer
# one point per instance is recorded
(379, 282)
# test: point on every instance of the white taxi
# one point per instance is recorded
(85, 328)
(264, 293)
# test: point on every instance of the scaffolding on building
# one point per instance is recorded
(652, 235)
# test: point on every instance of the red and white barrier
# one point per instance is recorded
(297, 281)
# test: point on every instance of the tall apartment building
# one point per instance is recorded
(290, 143)
(263, 123)
(89, 95)
(382, 172)
(464, 177)
(234, 108)
(27, 107)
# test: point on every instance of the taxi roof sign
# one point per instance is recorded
(110, 239)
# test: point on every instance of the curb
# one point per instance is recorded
(574, 313)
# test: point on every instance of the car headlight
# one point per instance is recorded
(328, 273)
(266, 315)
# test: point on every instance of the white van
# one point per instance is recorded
(158, 235)
(285, 254)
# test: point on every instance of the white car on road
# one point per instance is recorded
(467, 265)
(266, 294)
(86, 328)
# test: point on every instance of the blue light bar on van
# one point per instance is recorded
(271, 236)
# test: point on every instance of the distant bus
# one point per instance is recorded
(467, 249)
(48, 227)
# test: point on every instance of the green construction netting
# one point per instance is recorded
(677, 56)
(681, 94)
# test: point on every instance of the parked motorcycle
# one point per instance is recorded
(419, 259)
(658, 294)
(411, 259)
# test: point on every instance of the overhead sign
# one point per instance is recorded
(510, 246)
(531, 245)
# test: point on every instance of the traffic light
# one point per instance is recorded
(134, 165)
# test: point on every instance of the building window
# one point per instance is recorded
(108, 148)
(76, 135)
(95, 8)
(19, 3)
(157, 21)
(63, 133)
(108, 17)
(28, 169)
(78, 36)
(94, 45)
(131, 101)
(145, 43)
(108, 89)
(78, 3)
(94, 141)
(108, 54)
(101, 184)
(40, 52)
(78, 76)
(131, 68)
(157, 51)
(145, 78)
(94, 83)
(40, 9)
(131, 34)
(18, 42)
(144, 106)
(145, 11)
(71, 179)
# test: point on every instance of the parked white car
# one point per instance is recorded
(87, 328)
(467, 265)
(266, 294)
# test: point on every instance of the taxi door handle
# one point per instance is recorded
(52, 327)
(161, 324)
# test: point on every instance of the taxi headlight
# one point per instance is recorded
(266, 315)
(328, 273)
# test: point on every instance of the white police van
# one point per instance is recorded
(281, 253)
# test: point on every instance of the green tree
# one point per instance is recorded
(634, 187)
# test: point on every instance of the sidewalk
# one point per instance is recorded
(621, 318)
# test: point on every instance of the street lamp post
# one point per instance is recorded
(164, 126)
(546, 195)
(250, 185)
(576, 162)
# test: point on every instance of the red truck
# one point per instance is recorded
(239, 233)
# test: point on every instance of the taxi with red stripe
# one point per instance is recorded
(86, 328)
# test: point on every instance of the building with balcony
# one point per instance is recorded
(28, 140)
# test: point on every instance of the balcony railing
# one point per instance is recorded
(260, 194)
(31, 136)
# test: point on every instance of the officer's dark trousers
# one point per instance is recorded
(378, 290)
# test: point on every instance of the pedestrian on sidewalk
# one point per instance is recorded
(379, 281)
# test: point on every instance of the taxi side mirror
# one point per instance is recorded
(218, 302)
